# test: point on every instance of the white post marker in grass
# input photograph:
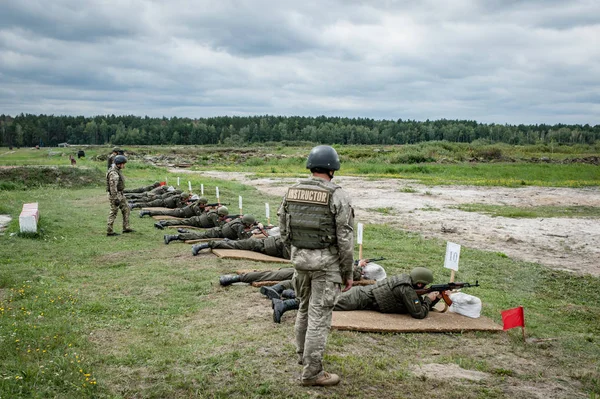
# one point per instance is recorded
(189, 186)
(268, 213)
(177, 181)
(452, 257)
(359, 240)
(167, 181)
(240, 199)
(202, 189)
(218, 195)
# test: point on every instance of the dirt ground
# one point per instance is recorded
(562, 243)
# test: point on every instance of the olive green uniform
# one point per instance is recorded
(139, 189)
(272, 246)
(234, 230)
(149, 194)
(204, 220)
(115, 184)
(283, 275)
(190, 211)
(316, 218)
(173, 201)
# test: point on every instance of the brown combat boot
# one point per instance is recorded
(326, 380)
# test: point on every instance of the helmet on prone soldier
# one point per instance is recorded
(222, 211)
(421, 275)
(202, 200)
(323, 157)
(248, 220)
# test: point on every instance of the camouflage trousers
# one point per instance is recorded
(317, 294)
(114, 210)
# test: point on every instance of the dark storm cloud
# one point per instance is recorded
(492, 61)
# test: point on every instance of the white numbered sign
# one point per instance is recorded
(201, 189)
(452, 256)
(359, 234)
(240, 202)
(189, 186)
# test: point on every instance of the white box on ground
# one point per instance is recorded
(29, 217)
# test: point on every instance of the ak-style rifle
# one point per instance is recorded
(444, 289)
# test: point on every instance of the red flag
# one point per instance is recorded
(163, 183)
(513, 318)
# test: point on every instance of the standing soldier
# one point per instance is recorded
(317, 219)
(115, 184)
(111, 157)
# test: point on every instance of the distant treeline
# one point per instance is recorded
(49, 130)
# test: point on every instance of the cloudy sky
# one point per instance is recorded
(502, 61)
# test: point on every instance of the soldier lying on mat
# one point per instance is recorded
(272, 246)
(140, 190)
(213, 218)
(172, 201)
(154, 193)
(363, 270)
(196, 208)
(392, 295)
(237, 229)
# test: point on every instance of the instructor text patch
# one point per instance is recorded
(307, 195)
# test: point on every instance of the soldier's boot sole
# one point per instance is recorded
(326, 380)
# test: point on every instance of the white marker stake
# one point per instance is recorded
(167, 181)
(177, 181)
(189, 186)
(241, 213)
(452, 257)
(201, 189)
(218, 195)
(267, 213)
(359, 239)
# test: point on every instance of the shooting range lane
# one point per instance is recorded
(371, 321)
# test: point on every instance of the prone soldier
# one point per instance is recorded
(196, 208)
(172, 201)
(212, 218)
(237, 229)
(141, 189)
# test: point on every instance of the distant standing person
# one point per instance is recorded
(317, 219)
(111, 157)
(115, 184)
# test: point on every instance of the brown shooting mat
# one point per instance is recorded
(270, 283)
(156, 208)
(166, 217)
(249, 255)
(371, 321)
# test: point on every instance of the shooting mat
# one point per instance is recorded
(270, 283)
(156, 208)
(185, 227)
(371, 321)
(166, 217)
(251, 255)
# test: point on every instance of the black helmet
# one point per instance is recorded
(119, 159)
(421, 275)
(324, 157)
(248, 220)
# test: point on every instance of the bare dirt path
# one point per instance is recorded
(562, 243)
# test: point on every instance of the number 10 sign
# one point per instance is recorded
(452, 256)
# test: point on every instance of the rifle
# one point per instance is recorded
(370, 260)
(443, 290)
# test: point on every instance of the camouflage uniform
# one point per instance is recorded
(272, 246)
(316, 217)
(234, 230)
(392, 295)
(204, 220)
(115, 184)
(190, 211)
(110, 160)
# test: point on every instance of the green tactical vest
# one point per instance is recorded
(120, 184)
(310, 224)
(271, 246)
(188, 211)
(229, 230)
(205, 219)
(384, 294)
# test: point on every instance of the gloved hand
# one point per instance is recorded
(117, 202)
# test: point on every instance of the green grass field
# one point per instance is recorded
(83, 315)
